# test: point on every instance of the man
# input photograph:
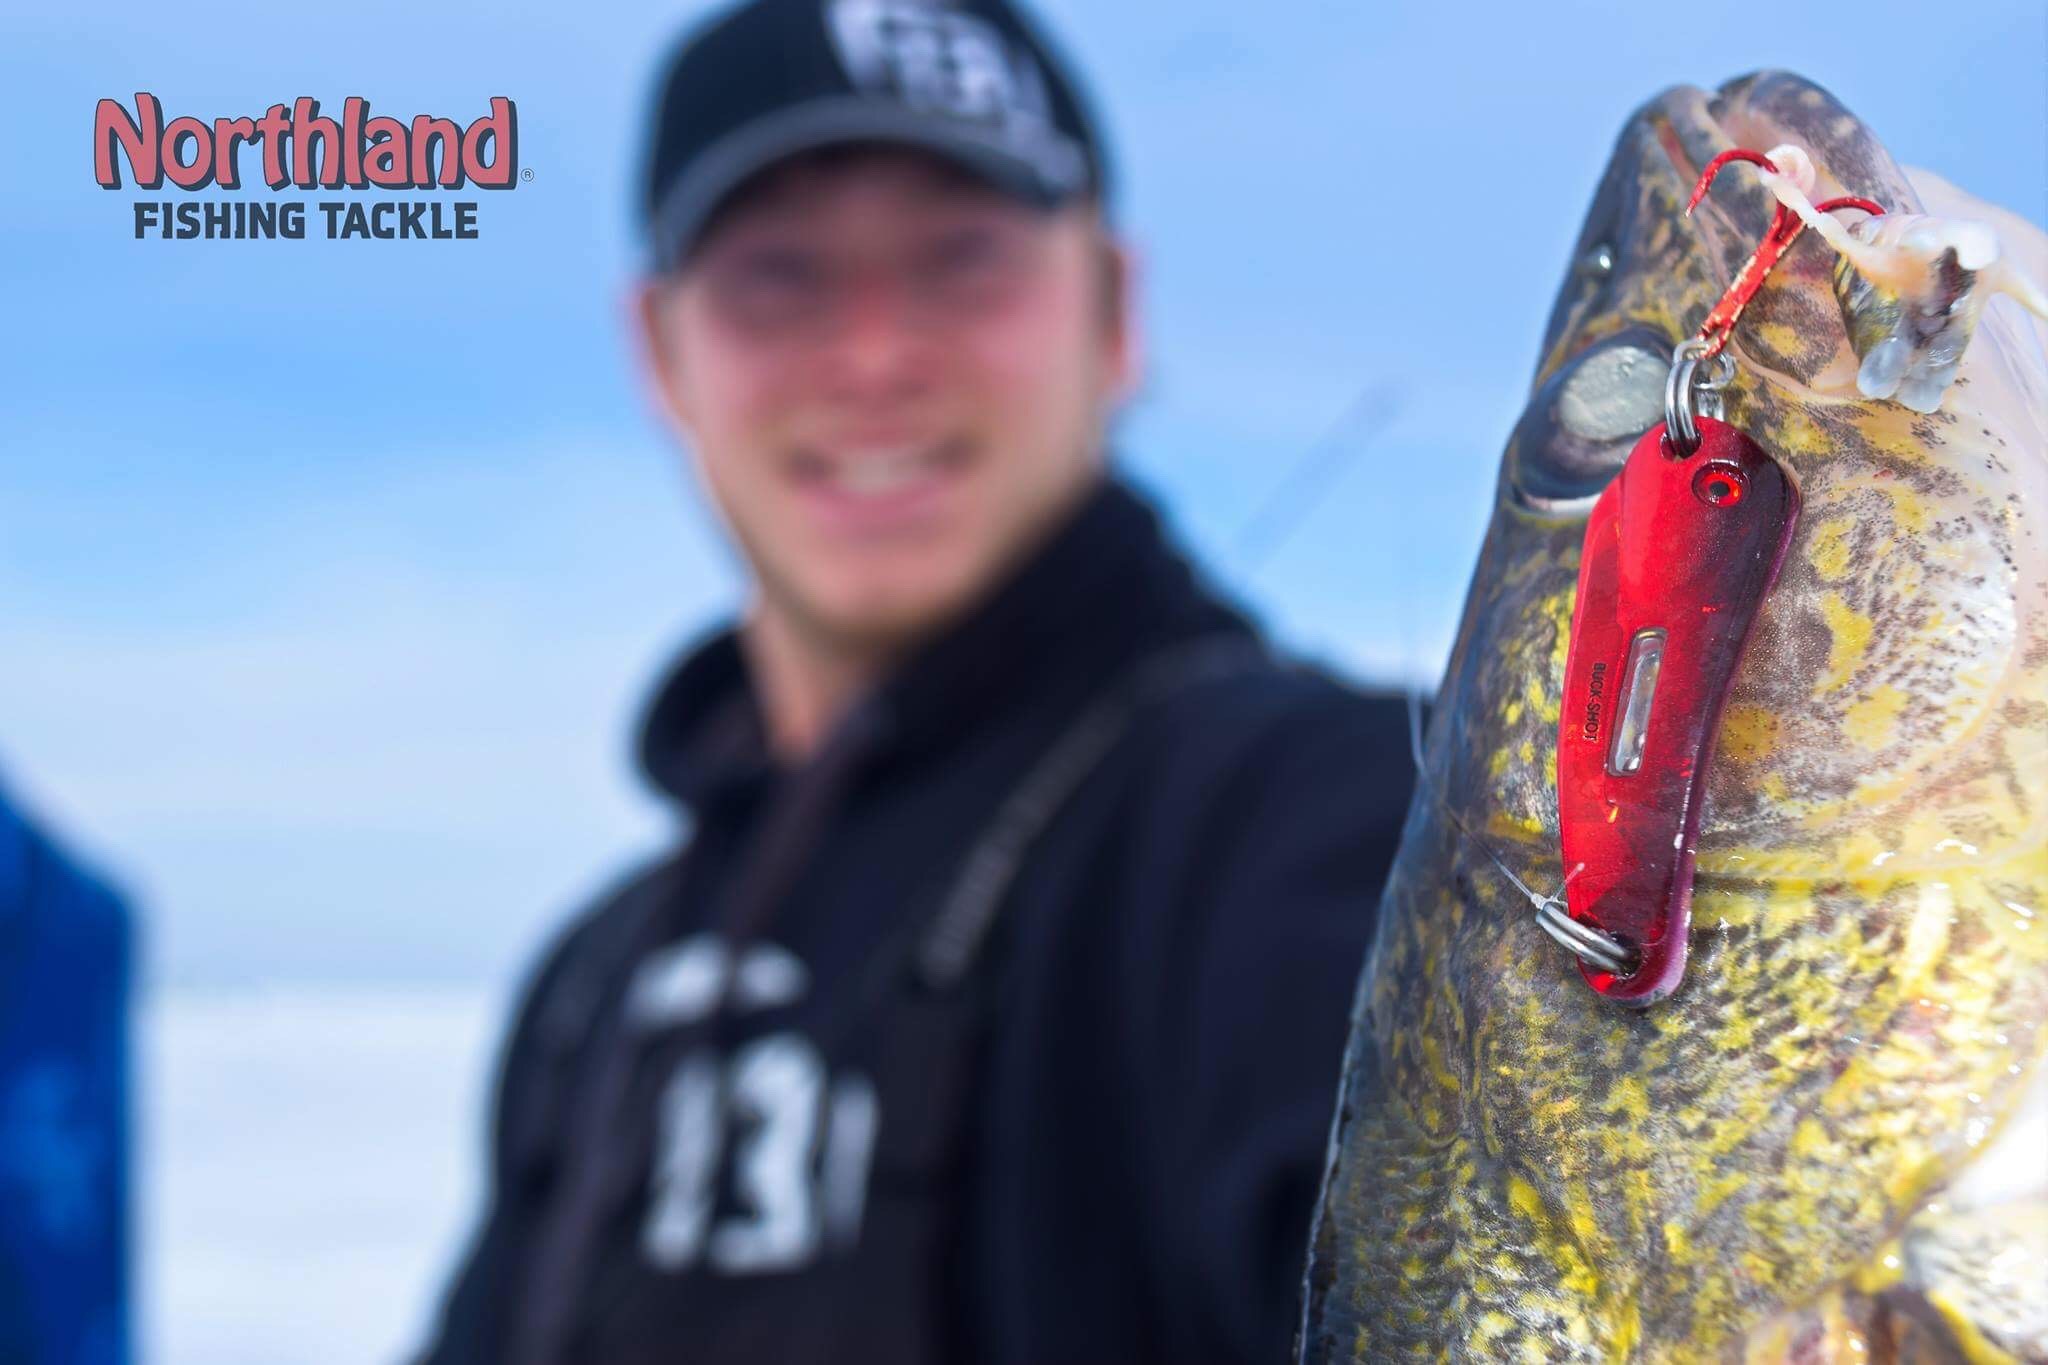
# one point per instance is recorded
(994, 1009)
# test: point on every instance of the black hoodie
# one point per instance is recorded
(1006, 1029)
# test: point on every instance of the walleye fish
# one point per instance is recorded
(1831, 1144)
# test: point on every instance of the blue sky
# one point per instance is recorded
(332, 574)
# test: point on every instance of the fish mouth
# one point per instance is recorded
(1640, 260)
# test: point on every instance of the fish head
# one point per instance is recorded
(1524, 1169)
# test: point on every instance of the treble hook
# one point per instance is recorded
(1778, 238)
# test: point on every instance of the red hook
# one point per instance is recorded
(1778, 238)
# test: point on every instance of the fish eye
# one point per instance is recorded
(1582, 421)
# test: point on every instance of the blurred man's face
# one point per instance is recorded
(895, 380)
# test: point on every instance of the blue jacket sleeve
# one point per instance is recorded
(65, 947)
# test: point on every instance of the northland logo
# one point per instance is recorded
(300, 147)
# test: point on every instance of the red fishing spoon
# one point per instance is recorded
(1678, 555)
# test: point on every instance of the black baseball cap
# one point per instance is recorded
(966, 79)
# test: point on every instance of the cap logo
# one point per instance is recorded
(935, 58)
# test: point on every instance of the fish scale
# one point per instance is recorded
(1758, 1168)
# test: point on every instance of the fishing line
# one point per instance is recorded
(1282, 513)
(1308, 481)
(1413, 670)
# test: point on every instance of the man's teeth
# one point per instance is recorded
(872, 474)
